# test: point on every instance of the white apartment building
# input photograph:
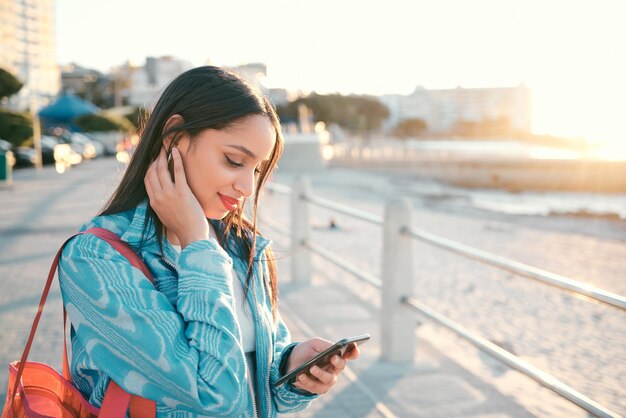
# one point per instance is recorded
(443, 109)
(144, 85)
(28, 51)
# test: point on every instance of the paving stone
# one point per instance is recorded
(44, 208)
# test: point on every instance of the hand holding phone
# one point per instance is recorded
(322, 359)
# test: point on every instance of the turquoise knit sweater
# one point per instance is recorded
(178, 344)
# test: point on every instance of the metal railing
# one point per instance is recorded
(514, 362)
(397, 324)
(520, 269)
(495, 260)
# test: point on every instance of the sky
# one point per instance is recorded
(572, 54)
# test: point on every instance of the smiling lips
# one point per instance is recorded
(229, 202)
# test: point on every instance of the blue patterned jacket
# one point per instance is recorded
(178, 344)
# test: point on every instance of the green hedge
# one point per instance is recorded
(9, 84)
(138, 117)
(98, 123)
(15, 127)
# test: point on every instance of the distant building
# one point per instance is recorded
(443, 110)
(143, 85)
(28, 50)
(121, 79)
(278, 97)
(88, 84)
(75, 78)
(253, 73)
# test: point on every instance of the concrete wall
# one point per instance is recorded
(303, 152)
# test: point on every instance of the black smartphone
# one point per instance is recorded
(322, 359)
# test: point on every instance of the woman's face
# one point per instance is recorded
(224, 163)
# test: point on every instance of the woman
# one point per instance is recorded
(207, 339)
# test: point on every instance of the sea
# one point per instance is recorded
(549, 203)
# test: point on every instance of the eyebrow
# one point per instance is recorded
(244, 150)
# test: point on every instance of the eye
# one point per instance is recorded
(233, 163)
(236, 164)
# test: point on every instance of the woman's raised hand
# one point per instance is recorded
(174, 202)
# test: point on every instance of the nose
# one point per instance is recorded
(245, 183)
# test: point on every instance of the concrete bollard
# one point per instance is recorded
(300, 231)
(7, 160)
(398, 323)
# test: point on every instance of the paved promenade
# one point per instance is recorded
(42, 208)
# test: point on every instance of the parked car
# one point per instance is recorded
(100, 145)
(47, 149)
(25, 157)
(92, 149)
(7, 147)
(19, 156)
(112, 141)
(53, 151)
(80, 143)
(77, 147)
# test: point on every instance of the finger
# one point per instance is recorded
(164, 173)
(337, 364)
(146, 183)
(308, 383)
(353, 353)
(160, 166)
(179, 169)
(324, 376)
(152, 183)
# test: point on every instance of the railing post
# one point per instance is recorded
(301, 260)
(398, 322)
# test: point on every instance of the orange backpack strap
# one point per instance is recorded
(116, 400)
(139, 407)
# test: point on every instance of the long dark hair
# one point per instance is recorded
(205, 97)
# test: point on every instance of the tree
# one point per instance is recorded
(97, 89)
(9, 85)
(137, 117)
(358, 114)
(488, 127)
(15, 127)
(288, 112)
(409, 127)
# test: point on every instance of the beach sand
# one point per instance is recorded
(578, 341)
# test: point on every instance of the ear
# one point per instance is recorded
(171, 122)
